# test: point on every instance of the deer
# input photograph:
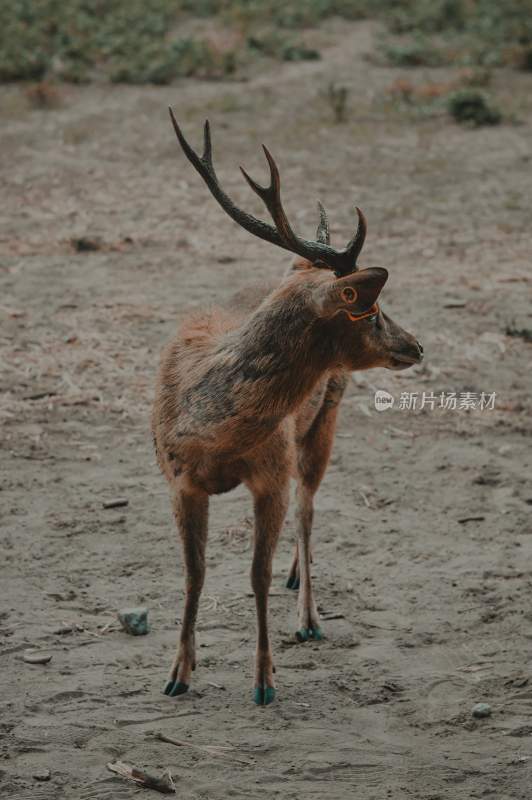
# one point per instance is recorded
(249, 394)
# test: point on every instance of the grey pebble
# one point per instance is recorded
(42, 775)
(481, 710)
(134, 620)
(36, 657)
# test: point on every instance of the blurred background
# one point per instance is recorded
(160, 40)
(418, 112)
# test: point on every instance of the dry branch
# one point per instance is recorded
(208, 749)
(164, 784)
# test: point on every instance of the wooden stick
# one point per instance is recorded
(209, 749)
(164, 784)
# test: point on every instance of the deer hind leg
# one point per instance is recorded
(191, 513)
(313, 457)
(293, 581)
(270, 511)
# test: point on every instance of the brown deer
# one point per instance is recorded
(250, 394)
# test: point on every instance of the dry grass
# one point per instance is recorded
(44, 96)
(91, 365)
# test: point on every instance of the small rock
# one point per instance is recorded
(118, 502)
(62, 630)
(35, 657)
(42, 775)
(134, 620)
(84, 244)
(481, 710)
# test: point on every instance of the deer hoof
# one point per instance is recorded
(173, 688)
(264, 695)
(304, 634)
(293, 582)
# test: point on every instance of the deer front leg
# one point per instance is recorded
(191, 513)
(309, 620)
(313, 456)
(270, 510)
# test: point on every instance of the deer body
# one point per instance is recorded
(250, 395)
(227, 388)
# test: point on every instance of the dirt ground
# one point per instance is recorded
(423, 542)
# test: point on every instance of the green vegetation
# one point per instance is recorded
(140, 41)
(156, 41)
(467, 32)
(125, 40)
(459, 97)
(471, 107)
(277, 46)
(414, 52)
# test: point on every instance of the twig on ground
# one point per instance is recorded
(123, 723)
(117, 502)
(164, 784)
(109, 626)
(39, 395)
(365, 499)
(208, 749)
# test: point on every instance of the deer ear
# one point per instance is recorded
(356, 292)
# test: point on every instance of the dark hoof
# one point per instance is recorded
(173, 688)
(292, 583)
(264, 695)
(304, 634)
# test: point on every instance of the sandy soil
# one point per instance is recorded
(434, 611)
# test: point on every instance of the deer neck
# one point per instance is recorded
(279, 357)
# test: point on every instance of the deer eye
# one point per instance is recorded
(349, 295)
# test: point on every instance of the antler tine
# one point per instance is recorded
(257, 188)
(323, 234)
(271, 197)
(189, 152)
(357, 242)
(275, 179)
(207, 144)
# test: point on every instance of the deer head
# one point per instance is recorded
(341, 298)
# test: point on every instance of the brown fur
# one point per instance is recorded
(250, 395)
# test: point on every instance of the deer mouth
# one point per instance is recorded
(400, 361)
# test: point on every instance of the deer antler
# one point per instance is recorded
(319, 253)
(323, 233)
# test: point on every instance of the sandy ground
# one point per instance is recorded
(423, 543)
